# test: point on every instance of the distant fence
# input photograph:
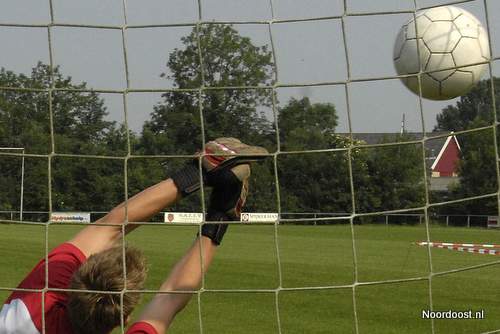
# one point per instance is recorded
(392, 219)
(442, 219)
(306, 218)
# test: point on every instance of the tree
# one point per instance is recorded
(396, 175)
(306, 126)
(315, 181)
(477, 166)
(78, 118)
(228, 60)
(476, 171)
(79, 126)
(475, 105)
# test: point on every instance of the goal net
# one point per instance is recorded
(124, 92)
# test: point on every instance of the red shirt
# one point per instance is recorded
(22, 312)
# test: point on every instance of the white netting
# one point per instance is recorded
(345, 84)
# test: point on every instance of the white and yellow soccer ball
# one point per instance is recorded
(450, 40)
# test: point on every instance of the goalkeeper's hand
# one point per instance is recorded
(224, 153)
(230, 190)
(226, 201)
(219, 157)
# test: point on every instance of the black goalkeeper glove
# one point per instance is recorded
(226, 201)
(230, 191)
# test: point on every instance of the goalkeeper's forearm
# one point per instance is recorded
(139, 208)
(185, 277)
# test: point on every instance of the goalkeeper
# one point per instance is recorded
(91, 262)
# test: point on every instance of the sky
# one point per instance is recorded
(307, 53)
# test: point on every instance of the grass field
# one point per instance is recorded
(310, 256)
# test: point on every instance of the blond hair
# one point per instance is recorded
(97, 313)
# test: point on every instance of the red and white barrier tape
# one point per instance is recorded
(464, 247)
(453, 244)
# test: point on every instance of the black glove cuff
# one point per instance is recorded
(215, 231)
(187, 179)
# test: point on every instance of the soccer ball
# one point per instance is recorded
(448, 38)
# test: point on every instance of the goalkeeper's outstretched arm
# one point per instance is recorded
(108, 230)
(183, 281)
(220, 156)
(227, 199)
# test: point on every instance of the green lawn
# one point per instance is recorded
(309, 256)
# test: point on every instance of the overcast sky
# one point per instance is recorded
(306, 52)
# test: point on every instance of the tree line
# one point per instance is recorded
(298, 180)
